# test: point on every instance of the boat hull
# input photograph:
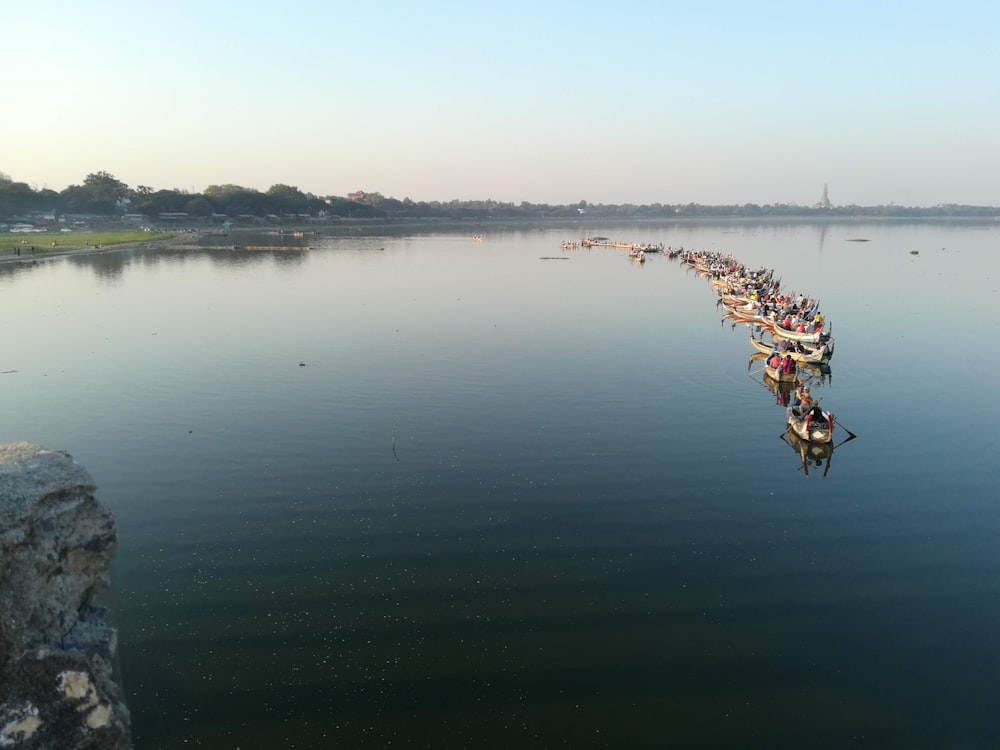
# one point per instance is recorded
(813, 426)
(778, 375)
(813, 356)
(804, 338)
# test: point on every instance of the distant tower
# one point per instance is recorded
(825, 201)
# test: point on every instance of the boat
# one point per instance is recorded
(780, 374)
(811, 423)
(802, 354)
(781, 390)
(750, 313)
(649, 247)
(804, 337)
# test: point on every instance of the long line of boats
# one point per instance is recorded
(791, 335)
(787, 331)
(798, 333)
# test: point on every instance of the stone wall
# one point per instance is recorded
(57, 690)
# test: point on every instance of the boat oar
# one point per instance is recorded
(847, 439)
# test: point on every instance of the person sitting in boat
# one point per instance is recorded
(774, 362)
(787, 322)
(788, 364)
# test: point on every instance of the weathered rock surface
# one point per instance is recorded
(57, 690)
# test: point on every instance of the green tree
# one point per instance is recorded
(198, 206)
(285, 199)
(235, 200)
(18, 199)
(105, 190)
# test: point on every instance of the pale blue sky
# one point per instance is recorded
(547, 102)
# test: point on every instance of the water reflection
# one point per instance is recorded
(9, 270)
(781, 390)
(818, 454)
(107, 266)
(112, 265)
(517, 574)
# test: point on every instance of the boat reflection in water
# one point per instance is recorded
(817, 454)
(813, 455)
(814, 375)
(782, 390)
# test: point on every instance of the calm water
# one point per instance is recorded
(514, 502)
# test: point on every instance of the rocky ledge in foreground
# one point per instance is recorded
(57, 691)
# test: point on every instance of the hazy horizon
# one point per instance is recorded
(719, 103)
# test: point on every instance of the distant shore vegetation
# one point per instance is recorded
(101, 197)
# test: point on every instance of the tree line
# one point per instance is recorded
(103, 195)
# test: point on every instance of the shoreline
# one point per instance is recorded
(70, 250)
(181, 240)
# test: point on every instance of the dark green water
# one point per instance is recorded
(513, 502)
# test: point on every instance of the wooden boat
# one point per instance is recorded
(811, 423)
(809, 337)
(807, 355)
(780, 375)
(750, 314)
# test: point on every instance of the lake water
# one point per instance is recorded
(421, 491)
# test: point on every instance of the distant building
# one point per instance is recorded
(358, 196)
(825, 200)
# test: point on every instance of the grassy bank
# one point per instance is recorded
(43, 241)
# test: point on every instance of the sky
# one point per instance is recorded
(546, 102)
